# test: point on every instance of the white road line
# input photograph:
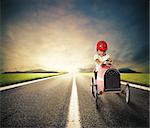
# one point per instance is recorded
(136, 86)
(73, 116)
(25, 83)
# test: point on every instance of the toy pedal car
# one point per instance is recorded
(108, 81)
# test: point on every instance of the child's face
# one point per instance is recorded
(101, 53)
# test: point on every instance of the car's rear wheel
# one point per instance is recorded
(96, 101)
(92, 82)
(127, 91)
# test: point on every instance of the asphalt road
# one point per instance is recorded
(42, 104)
(46, 103)
(114, 112)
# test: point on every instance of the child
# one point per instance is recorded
(101, 57)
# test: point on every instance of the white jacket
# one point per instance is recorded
(101, 59)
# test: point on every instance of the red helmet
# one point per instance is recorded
(101, 45)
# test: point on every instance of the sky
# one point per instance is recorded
(62, 34)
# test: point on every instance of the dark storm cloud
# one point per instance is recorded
(130, 18)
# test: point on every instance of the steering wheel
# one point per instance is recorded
(107, 62)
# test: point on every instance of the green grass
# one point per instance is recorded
(7, 79)
(138, 78)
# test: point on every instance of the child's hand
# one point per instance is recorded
(98, 62)
(109, 59)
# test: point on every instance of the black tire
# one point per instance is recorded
(93, 87)
(93, 91)
(96, 101)
(127, 92)
(92, 80)
(96, 97)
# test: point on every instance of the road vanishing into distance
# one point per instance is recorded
(49, 103)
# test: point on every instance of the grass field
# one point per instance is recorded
(138, 78)
(7, 79)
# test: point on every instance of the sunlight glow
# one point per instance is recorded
(73, 71)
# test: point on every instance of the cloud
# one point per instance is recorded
(52, 43)
(56, 35)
